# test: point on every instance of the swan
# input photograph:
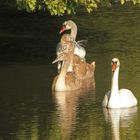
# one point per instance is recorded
(61, 46)
(65, 81)
(68, 80)
(116, 98)
(70, 25)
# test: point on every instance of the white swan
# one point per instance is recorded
(116, 98)
(70, 25)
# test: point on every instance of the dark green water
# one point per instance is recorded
(28, 108)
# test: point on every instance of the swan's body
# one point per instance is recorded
(116, 98)
(68, 80)
(82, 69)
(70, 25)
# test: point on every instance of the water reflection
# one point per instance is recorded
(119, 118)
(28, 44)
(67, 104)
(29, 130)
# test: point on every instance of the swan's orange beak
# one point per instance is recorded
(62, 29)
(114, 66)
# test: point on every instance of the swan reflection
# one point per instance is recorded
(119, 118)
(67, 104)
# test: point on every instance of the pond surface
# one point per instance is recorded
(28, 108)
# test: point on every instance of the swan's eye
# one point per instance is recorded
(114, 62)
(65, 25)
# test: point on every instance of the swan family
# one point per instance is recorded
(75, 73)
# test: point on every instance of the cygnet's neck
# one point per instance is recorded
(61, 83)
(74, 31)
(64, 67)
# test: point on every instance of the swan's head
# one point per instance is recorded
(61, 57)
(66, 38)
(115, 64)
(67, 43)
(67, 25)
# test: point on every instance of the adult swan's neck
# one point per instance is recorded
(114, 101)
(74, 31)
(114, 86)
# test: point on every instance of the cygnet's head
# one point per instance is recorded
(67, 43)
(66, 38)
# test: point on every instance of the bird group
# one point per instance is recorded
(75, 73)
(73, 70)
